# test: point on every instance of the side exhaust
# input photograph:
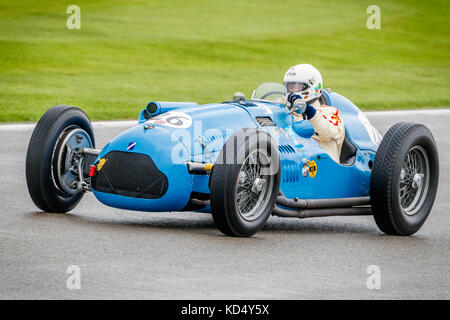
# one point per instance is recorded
(312, 213)
(309, 208)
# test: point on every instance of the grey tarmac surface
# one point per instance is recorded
(134, 255)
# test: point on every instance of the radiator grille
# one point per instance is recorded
(130, 174)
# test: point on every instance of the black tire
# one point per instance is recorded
(391, 217)
(41, 184)
(224, 181)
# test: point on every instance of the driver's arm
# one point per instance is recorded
(327, 122)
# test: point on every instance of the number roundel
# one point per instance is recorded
(174, 119)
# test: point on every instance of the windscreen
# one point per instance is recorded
(270, 91)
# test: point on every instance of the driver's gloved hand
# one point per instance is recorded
(292, 97)
(298, 105)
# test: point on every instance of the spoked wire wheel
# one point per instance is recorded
(253, 185)
(414, 180)
(404, 179)
(245, 182)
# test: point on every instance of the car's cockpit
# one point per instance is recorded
(276, 92)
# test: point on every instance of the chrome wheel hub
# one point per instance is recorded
(417, 180)
(258, 185)
(66, 162)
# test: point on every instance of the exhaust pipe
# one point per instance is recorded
(328, 212)
(309, 208)
(322, 203)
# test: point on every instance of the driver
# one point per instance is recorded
(304, 88)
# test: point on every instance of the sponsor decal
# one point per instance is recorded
(101, 163)
(312, 168)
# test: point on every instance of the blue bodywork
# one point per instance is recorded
(171, 146)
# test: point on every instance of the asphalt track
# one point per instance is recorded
(125, 254)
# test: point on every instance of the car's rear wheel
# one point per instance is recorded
(404, 179)
(52, 164)
(244, 183)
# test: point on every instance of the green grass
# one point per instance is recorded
(130, 52)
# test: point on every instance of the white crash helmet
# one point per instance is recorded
(304, 80)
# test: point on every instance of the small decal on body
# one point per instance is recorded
(101, 163)
(305, 170)
(131, 146)
(312, 168)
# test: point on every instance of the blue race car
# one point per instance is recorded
(242, 160)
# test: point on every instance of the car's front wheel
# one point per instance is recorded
(52, 165)
(404, 179)
(244, 183)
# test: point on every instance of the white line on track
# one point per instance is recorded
(128, 123)
(95, 124)
(435, 112)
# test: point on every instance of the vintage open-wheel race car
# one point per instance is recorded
(242, 160)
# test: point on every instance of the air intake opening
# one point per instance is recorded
(265, 122)
(130, 174)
